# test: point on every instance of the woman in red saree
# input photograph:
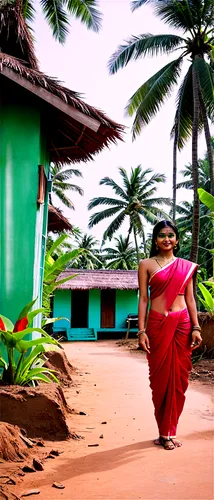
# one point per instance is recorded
(172, 329)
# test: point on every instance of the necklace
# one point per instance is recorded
(165, 260)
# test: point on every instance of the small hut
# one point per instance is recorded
(41, 122)
(95, 301)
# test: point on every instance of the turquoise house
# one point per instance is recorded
(94, 302)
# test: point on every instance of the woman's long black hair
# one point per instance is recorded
(160, 225)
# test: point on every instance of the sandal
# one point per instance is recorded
(167, 443)
(157, 441)
(177, 444)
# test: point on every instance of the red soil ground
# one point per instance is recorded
(112, 388)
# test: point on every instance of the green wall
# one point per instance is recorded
(22, 222)
(62, 307)
(126, 303)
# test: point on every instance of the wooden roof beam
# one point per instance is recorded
(71, 125)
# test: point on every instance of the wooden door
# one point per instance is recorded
(108, 308)
(79, 309)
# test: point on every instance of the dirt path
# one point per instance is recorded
(126, 465)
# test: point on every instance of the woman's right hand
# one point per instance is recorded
(143, 342)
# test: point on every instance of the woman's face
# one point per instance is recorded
(166, 238)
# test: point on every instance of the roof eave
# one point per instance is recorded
(55, 101)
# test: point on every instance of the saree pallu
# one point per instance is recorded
(170, 345)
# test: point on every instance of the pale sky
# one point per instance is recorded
(81, 65)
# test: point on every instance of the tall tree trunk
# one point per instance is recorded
(208, 140)
(136, 245)
(196, 205)
(174, 177)
(129, 233)
(144, 244)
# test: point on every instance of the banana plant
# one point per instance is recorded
(54, 266)
(207, 298)
(26, 358)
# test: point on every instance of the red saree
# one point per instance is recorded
(170, 352)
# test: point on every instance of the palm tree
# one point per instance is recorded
(89, 257)
(57, 13)
(60, 184)
(134, 202)
(123, 256)
(203, 174)
(184, 225)
(195, 102)
(185, 216)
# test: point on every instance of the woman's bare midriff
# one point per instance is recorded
(158, 304)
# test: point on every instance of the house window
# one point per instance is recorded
(79, 309)
(108, 298)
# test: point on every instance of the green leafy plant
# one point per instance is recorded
(55, 263)
(24, 365)
(208, 297)
(207, 199)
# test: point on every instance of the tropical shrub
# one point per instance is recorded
(24, 365)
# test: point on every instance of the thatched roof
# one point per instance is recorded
(99, 279)
(75, 130)
(56, 221)
(15, 37)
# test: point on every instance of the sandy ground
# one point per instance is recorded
(112, 389)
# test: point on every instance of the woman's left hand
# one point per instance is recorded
(196, 339)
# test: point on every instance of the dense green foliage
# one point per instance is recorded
(123, 256)
(89, 256)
